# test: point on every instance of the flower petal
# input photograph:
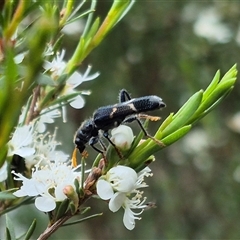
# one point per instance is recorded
(87, 77)
(3, 172)
(123, 137)
(25, 151)
(104, 189)
(75, 79)
(116, 201)
(122, 178)
(27, 189)
(78, 102)
(128, 219)
(45, 204)
(60, 196)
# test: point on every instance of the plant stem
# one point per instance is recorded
(51, 229)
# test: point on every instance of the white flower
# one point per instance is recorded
(21, 141)
(57, 65)
(47, 116)
(119, 186)
(74, 81)
(122, 137)
(47, 184)
(4, 172)
(45, 146)
(120, 178)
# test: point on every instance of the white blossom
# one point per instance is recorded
(122, 137)
(119, 178)
(47, 184)
(120, 186)
(21, 140)
(45, 147)
(4, 172)
(47, 116)
(57, 65)
(74, 81)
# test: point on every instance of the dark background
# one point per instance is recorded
(160, 48)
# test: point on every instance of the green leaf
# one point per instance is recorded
(83, 219)
(165, 123)
(144, 153)
(212, 85)
(11, 111)
(44, 79)
(115, 14)
(232, 72)
(79, 16)
(65, 98)
(84, 210)
(211, 107)
(61, 209)
(6, 195)
(7, 234)
(176, 135)
(72, 208)
(77, 186)
(31, 229)
(93, 29)
(145, 163)
(183, 115)
(10, 227)
(127, 9)
(213, 98)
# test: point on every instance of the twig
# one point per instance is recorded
(51, 229)
(32, 113)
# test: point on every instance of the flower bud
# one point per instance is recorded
(122, 137)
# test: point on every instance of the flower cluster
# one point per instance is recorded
(51, 178)
(48, 184)
(34, 147)
(57, 67)
(120, 186)
(30, 141)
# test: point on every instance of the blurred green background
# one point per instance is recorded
(170, 49)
